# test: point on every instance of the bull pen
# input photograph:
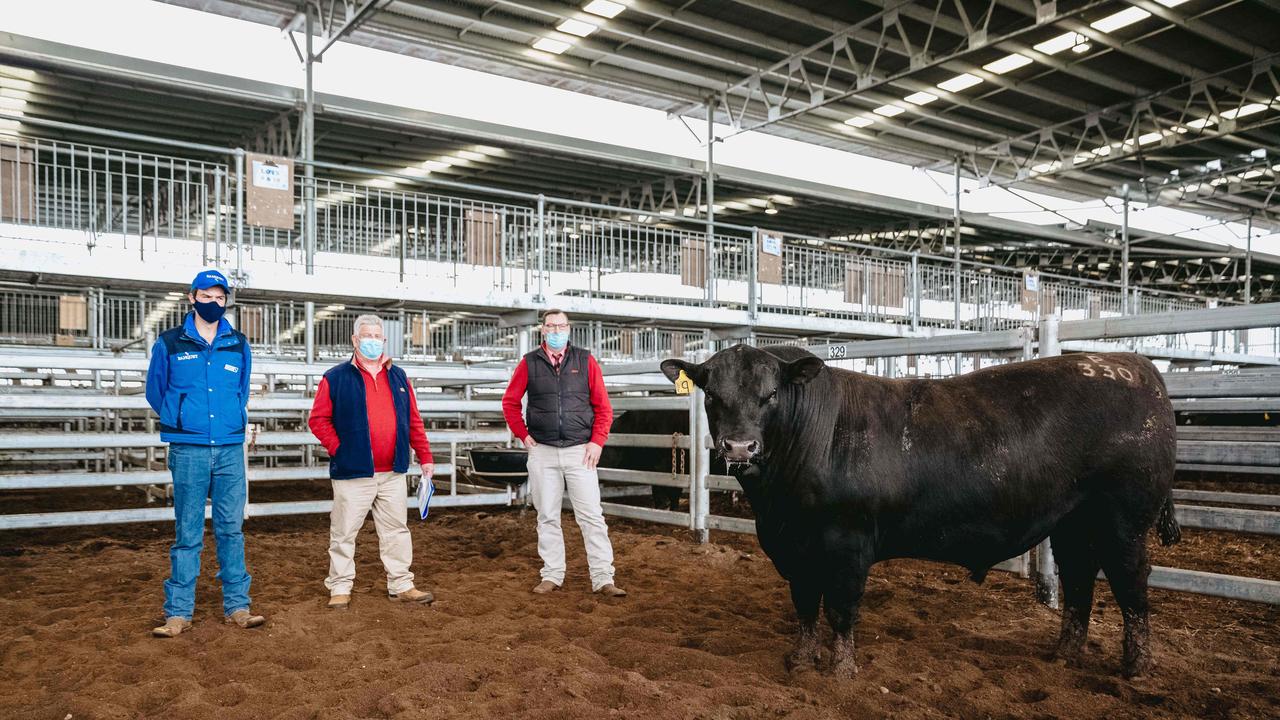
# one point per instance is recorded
(1207, 448)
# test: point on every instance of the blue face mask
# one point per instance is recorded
(558, 340)
(210, 312)
(371, 348)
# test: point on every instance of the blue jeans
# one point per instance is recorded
(201, 472)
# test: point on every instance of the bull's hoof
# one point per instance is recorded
(1133, 669)
(800, 660)
(844, 669)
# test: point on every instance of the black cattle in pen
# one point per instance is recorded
(653, 422)
(844, 469)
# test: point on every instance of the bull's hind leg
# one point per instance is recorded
(1077, 569)
(806, 593)
(1125, 563)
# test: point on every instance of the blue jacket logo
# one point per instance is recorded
(186, 356)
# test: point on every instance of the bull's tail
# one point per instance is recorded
(1167, 524)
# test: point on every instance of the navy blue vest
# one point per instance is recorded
(351, 419)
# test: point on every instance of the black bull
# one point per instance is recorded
(844, 469)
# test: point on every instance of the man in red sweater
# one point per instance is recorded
(564, 428)
(366, 416)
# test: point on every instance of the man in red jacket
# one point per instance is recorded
(366, 416)
(568, 419)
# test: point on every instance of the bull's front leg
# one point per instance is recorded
(806, 592)
(841, 598)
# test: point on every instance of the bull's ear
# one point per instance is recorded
(671, 368)
(803, 370)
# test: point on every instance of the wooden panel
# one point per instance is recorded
(420, 331)
(268, 196)
(73, 313)
(884, 286)
(482, 233)
(1030, 291)
(769, 259)
(17, 183)
(693, 262)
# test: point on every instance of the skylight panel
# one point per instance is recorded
(1055, 45)
(1124, 18)
(920, 98)
(604, 8)
(960, 82)
(889, 110)
(1007, 63)
(859, 121)
(550, 45)
(577, 27)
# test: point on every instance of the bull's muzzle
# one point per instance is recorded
(739, 451)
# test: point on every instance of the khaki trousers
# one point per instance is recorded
(551, 470)
(385, 493)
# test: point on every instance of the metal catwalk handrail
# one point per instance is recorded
(541, 199)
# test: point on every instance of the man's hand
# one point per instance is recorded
(530, 443)
(428, 470)
(592, 457)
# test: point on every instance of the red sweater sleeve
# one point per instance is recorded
(321, 420)
(511, 401)
(418, 431)
(599, 403)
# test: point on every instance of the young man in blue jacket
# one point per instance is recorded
(198, 384)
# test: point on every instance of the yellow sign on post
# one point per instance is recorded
(684, 385)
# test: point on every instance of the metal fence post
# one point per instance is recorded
(692, 465)
(1046, 573)
(753, 275)
(542, 245)
(702, 467)
(915, 291)
(240, 214)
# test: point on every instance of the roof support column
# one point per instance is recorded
(309, 155)
(1248, 260)
(1124, 254)
(711, 202)
(955, 241)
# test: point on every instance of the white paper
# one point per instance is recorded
(270, 175)
(771, 244)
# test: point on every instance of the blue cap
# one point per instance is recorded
(210, 278)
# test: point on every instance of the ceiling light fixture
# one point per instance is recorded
(577, 27)
(550, 45)
(604, 8)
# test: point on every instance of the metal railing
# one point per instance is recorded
(163, 204)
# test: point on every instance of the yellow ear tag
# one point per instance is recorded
(684, 385)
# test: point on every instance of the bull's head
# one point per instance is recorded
(744, 389)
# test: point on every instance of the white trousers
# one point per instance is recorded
(551, 470)
(385, 493)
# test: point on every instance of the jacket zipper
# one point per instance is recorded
(182, 398)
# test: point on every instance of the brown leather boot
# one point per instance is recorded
(244, 619)
(611, 590)
(339, 602)
(413, 595)
(172, 627)
(545, 587)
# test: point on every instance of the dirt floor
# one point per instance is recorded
(701, 636)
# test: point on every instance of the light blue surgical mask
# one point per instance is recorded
(371, 348)
(558, 340)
